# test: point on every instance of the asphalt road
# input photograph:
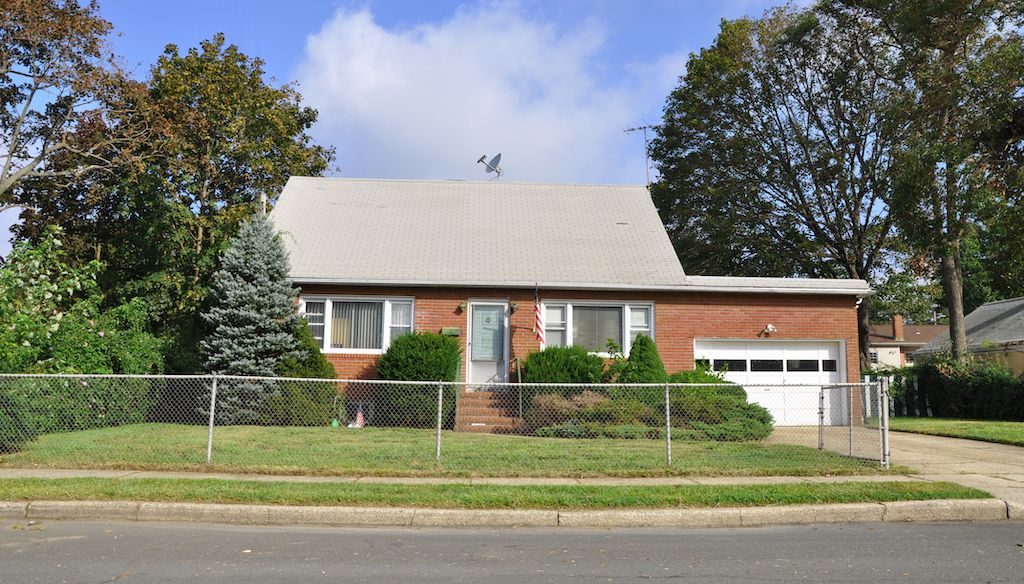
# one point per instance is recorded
(97, 552)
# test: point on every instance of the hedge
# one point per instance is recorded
(416, 357)
(971, 388)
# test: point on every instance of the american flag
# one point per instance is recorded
(538, 318)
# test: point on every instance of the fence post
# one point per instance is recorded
(883, 423)
(209, 432)
(440, 396)
(668, 430)
(821, 418)
(849, 417)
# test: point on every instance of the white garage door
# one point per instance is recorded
(770, 369)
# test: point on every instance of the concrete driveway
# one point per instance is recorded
(996, 468)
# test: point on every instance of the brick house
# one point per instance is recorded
(379, 258)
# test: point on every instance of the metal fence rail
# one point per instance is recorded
(351, 426)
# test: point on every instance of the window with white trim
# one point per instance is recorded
(594, 324)
(358, 324)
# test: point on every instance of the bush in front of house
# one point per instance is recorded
(971, 388)
(65, 404)
(16, 426)
(417, 357)
(303, 403)
(696, 414)
(574, 365)
(643, 365)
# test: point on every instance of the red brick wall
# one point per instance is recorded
(680, 317)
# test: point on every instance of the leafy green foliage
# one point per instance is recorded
(643, 365)
(973, 388)
(311, 361)
(961, 68)
(299, 403)
(719, 413)
(16, 427)
(417, 357)
(421, 357)
(56, 404)
(220, 136)
(51, 320)
(774, 150)
(563, 365)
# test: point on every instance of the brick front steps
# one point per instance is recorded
(487, 411)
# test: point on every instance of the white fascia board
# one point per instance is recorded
(737, 288)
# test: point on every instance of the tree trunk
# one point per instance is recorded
(953, 286)
(863, 330)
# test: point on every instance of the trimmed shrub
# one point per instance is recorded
(16, 426)
(563, 365)
(643, 365)
(552, 409)
(417, 357)
(421, 357)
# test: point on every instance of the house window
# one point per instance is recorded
(554, 325)
(873, 356)
(358, 325)
(594, 324)
(315, 318)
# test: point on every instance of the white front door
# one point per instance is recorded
(782, 376)
(487, 345)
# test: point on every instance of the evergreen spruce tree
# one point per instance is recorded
(252, 320)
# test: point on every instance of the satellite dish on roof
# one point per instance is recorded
(492, 164)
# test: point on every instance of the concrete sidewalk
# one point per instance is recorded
(995, 468)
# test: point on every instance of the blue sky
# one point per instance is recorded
(418, 89)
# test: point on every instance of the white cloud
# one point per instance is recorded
(427, 101)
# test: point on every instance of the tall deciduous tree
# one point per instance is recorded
(61, 94)
(962, 65)
(776, 149)
(227, 136)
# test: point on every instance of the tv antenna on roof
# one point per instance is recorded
(492, 164)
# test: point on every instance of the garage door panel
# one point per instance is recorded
(773, 367)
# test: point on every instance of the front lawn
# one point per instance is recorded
(409, 452)
(463, 496)
(986, 430)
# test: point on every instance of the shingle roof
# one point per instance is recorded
(913, 334)
(420, 232)
(995, 323)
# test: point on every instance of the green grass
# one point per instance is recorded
(409, 452)
(464, 496)
(986, 430)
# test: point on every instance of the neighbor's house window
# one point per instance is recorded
(355, 325)
(594, 324)
(873, 356)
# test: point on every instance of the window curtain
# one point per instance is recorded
(593, 326)
(357, 325)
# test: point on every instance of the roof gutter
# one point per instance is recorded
(858, 292)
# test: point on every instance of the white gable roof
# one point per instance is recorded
(459, 233)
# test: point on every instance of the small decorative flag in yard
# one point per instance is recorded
(538, 318)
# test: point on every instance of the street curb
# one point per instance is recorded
(898, 511)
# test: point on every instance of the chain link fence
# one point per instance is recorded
(317, 426)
